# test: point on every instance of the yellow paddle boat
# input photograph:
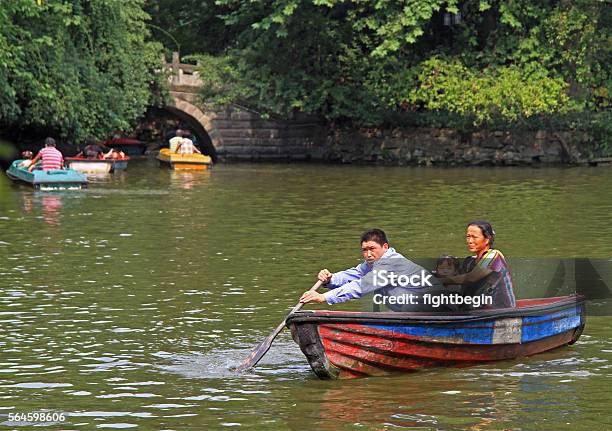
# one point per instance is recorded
(184, 161)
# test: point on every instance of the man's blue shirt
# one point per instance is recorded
(346, 284)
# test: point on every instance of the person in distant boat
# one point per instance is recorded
(176, 140)
(92, 149)
(355, 282)
(186, 146)
(27, 159)
(114, 155)
(487, 271)
(51, 157)
(187, 134)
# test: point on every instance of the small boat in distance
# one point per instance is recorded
(54, 179)
(184, 161)
(96, 166)
(339, 344)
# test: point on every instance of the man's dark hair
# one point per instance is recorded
(50, 142)
(376, 235)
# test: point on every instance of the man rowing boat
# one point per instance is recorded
(381, 269)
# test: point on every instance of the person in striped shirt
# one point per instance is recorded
(186, 147)
(51, 157)
(487, 271)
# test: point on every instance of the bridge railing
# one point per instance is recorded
(182, 74)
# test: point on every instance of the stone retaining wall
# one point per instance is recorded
(246, 136)
(446, 147)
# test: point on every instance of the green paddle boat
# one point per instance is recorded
(54, 179)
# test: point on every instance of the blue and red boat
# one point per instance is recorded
(339, 344)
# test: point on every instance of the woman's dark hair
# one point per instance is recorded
(50, 142)
(376, 235)
(485, 228)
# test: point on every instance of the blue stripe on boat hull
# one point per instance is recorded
(538, 327)
(532, 328)
(475, 333)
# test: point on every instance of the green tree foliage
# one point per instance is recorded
(76, 67)
(510, 92)
(191, 26)
(359, 60)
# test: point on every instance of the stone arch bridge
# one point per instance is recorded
(234, 133)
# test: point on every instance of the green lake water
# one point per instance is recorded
(125, 305)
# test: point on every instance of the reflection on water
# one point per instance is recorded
(51, 205)
(27, 202)
(128, 304)
(188, 179)
(45, 205)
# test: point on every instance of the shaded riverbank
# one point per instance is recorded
(242, 136)
(450, 147)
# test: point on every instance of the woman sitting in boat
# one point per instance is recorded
(487, 271)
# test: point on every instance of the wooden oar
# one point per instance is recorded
(259, 351)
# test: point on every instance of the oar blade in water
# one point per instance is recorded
(259, 351)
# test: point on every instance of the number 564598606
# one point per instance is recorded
(37, 417)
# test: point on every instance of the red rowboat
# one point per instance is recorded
(339, 344)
